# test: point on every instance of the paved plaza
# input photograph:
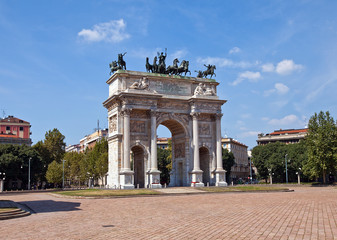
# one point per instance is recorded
(306, 213)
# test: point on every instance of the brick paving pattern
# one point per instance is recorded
(307, 213)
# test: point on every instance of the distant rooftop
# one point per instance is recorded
(12, 119)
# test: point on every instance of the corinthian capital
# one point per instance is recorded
(218, 115)
(195, 115)
(126, 111)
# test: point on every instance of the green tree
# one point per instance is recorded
(55, 173)
(164, 164)
(51, 149)
(95, 162)
(14, 162)
(270, 158)
(228, 162)
(72, 165)
(321, 143)
(54, 143)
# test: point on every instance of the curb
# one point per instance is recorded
(165, 194)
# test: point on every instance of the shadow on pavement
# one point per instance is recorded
(43, 206)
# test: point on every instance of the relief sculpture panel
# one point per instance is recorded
(137, 126)
(113, 124)
(179, 150)
(204, 129)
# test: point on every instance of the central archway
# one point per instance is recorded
(179, 140)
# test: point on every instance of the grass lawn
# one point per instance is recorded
(107, 193)
(242, 189)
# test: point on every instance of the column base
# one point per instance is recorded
(126, 179)
(154, 179)
(197, 178)
(220, 176)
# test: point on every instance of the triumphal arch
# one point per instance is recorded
(188, 106)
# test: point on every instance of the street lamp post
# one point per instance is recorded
(29, 173)
(250, 170)
(270, 175)
(2, 179)
(299, 176)
(285, 159)
(63, 173)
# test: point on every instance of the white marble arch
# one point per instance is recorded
(189, 107)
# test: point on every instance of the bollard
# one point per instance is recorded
(137, 185)
(207, 184)
(165, 185)
(232, 183)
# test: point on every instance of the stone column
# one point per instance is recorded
(220, 173)
(196, 172)
(154, 172)
(126, 175)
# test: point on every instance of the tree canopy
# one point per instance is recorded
(322, 146)
(228, 162)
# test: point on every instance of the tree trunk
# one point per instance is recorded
(324, 173)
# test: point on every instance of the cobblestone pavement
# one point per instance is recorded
(307, 213)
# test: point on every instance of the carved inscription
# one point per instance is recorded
(179, 150)
(171, 88)
(137, 126)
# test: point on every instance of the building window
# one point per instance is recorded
(21, 128)
(8, 128)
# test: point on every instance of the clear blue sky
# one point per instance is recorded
(276, 60)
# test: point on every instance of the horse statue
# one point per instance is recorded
(155, 65)
(174, 68)
(149, 67)
(113, 67)
(121, 62)
(183, 68)
(209, 71)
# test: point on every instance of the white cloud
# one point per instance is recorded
(249, 134)
(179, 54)
(246, 115)
(290, 120)
(287, 66)
(113, 31)
(279, 88)
(269, 92)
(224, 62)
(251, 76)
(268, 67)
(234, 50)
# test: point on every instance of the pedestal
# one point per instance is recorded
(155, 179)
(126, 180)
(220, 178)
(197, 178)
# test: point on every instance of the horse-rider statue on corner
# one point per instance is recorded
(117, 65)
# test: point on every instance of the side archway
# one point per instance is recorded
(205, 164)
(138, 166)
